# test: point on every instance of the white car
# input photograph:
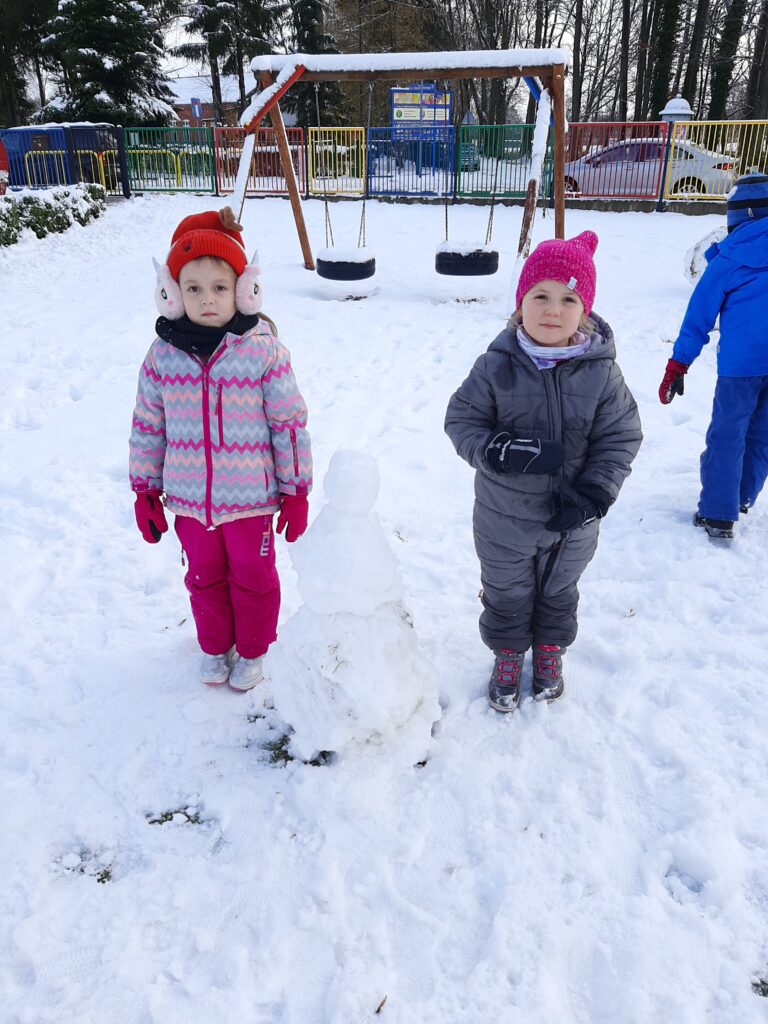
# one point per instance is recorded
(635, 167)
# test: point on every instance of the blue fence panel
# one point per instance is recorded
(412, 161)
(37, 157)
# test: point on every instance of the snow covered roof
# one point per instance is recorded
(413, 61)
(284, 65)
(199, 87)
(48, 125)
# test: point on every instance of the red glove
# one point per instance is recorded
(294, 511)
(150, 516)
(673, 383)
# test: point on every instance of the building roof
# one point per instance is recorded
(198, 87)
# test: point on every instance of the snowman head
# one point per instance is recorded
(352, 481)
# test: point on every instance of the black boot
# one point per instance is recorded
(548, 682)
(504, 687)
(720, 529)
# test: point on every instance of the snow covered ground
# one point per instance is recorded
(601, 860)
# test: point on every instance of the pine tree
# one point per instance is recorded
(249, 29)
(109, 52)
(209, 38)
(21, 26)
(309, 36)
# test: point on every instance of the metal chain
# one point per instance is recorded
(489, 231)
(361, 235)
(328, 226)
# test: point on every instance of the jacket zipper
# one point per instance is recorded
(295, 455)
(220, 413)
(206, 368)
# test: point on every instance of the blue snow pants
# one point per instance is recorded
(734, 465)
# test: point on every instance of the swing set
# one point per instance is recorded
(543, 72)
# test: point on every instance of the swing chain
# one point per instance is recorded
(366, 142)
(489, 230)
(329, 243)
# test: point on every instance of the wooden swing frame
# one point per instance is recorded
(551, 76)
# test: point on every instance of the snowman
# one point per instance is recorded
(348, 675)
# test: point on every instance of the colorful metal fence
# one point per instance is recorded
(706, 157)
(495, 160)
(694, 160)
(266, 175)
(39, 157)
(336, 161)
(411, 160)
(171, 159)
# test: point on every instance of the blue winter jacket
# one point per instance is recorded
(735, 285)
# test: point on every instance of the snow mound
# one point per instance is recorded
(695, 261)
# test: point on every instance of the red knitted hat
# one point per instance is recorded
(207, 234)
(567, 261)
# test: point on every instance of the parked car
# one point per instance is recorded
(635, 167)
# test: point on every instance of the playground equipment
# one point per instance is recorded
(335, 265)
(542, 70)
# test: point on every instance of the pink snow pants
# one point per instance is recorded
(233, 584)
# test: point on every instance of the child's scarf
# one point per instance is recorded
(547, 356)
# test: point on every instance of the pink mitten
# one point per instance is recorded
(150, 516)
(294, 512)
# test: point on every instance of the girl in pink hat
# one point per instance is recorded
(220, 439)
(551, 429)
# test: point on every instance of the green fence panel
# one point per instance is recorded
(171, 159)
(495, 160)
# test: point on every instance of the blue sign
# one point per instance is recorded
(197, 107)
(420, 104)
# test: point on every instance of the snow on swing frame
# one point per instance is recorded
(277, 72)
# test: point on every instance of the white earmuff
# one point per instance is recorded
(248, 291)
(167, 293)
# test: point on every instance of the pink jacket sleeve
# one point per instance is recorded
(286, 414)
(147, 445)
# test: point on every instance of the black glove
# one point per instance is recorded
(577, 508)
(506, 454)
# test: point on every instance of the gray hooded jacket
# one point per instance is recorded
(582, 402)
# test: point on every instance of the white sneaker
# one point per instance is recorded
(246, 673)
(215, 669)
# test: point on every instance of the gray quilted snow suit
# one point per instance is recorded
(530, 575)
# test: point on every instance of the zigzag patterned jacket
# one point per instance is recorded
(223, 439)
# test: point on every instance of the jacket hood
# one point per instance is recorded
(602, 346)
(746, 246)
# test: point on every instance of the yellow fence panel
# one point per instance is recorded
(706, 157)
(46, 167)
(337, 161)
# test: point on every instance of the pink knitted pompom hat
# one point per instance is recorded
(568, 261)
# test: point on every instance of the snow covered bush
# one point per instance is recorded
(54, 209)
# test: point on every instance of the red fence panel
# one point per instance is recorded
(615, 159)
(266, 175)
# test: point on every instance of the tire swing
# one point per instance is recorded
(463, 261)
(343, 265)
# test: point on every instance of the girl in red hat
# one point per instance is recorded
(220, 438)
(551, 428)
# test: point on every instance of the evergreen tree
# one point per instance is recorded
(309, 36)
(209, 38)
(21, 26)
(249, 28)
(109, 52)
